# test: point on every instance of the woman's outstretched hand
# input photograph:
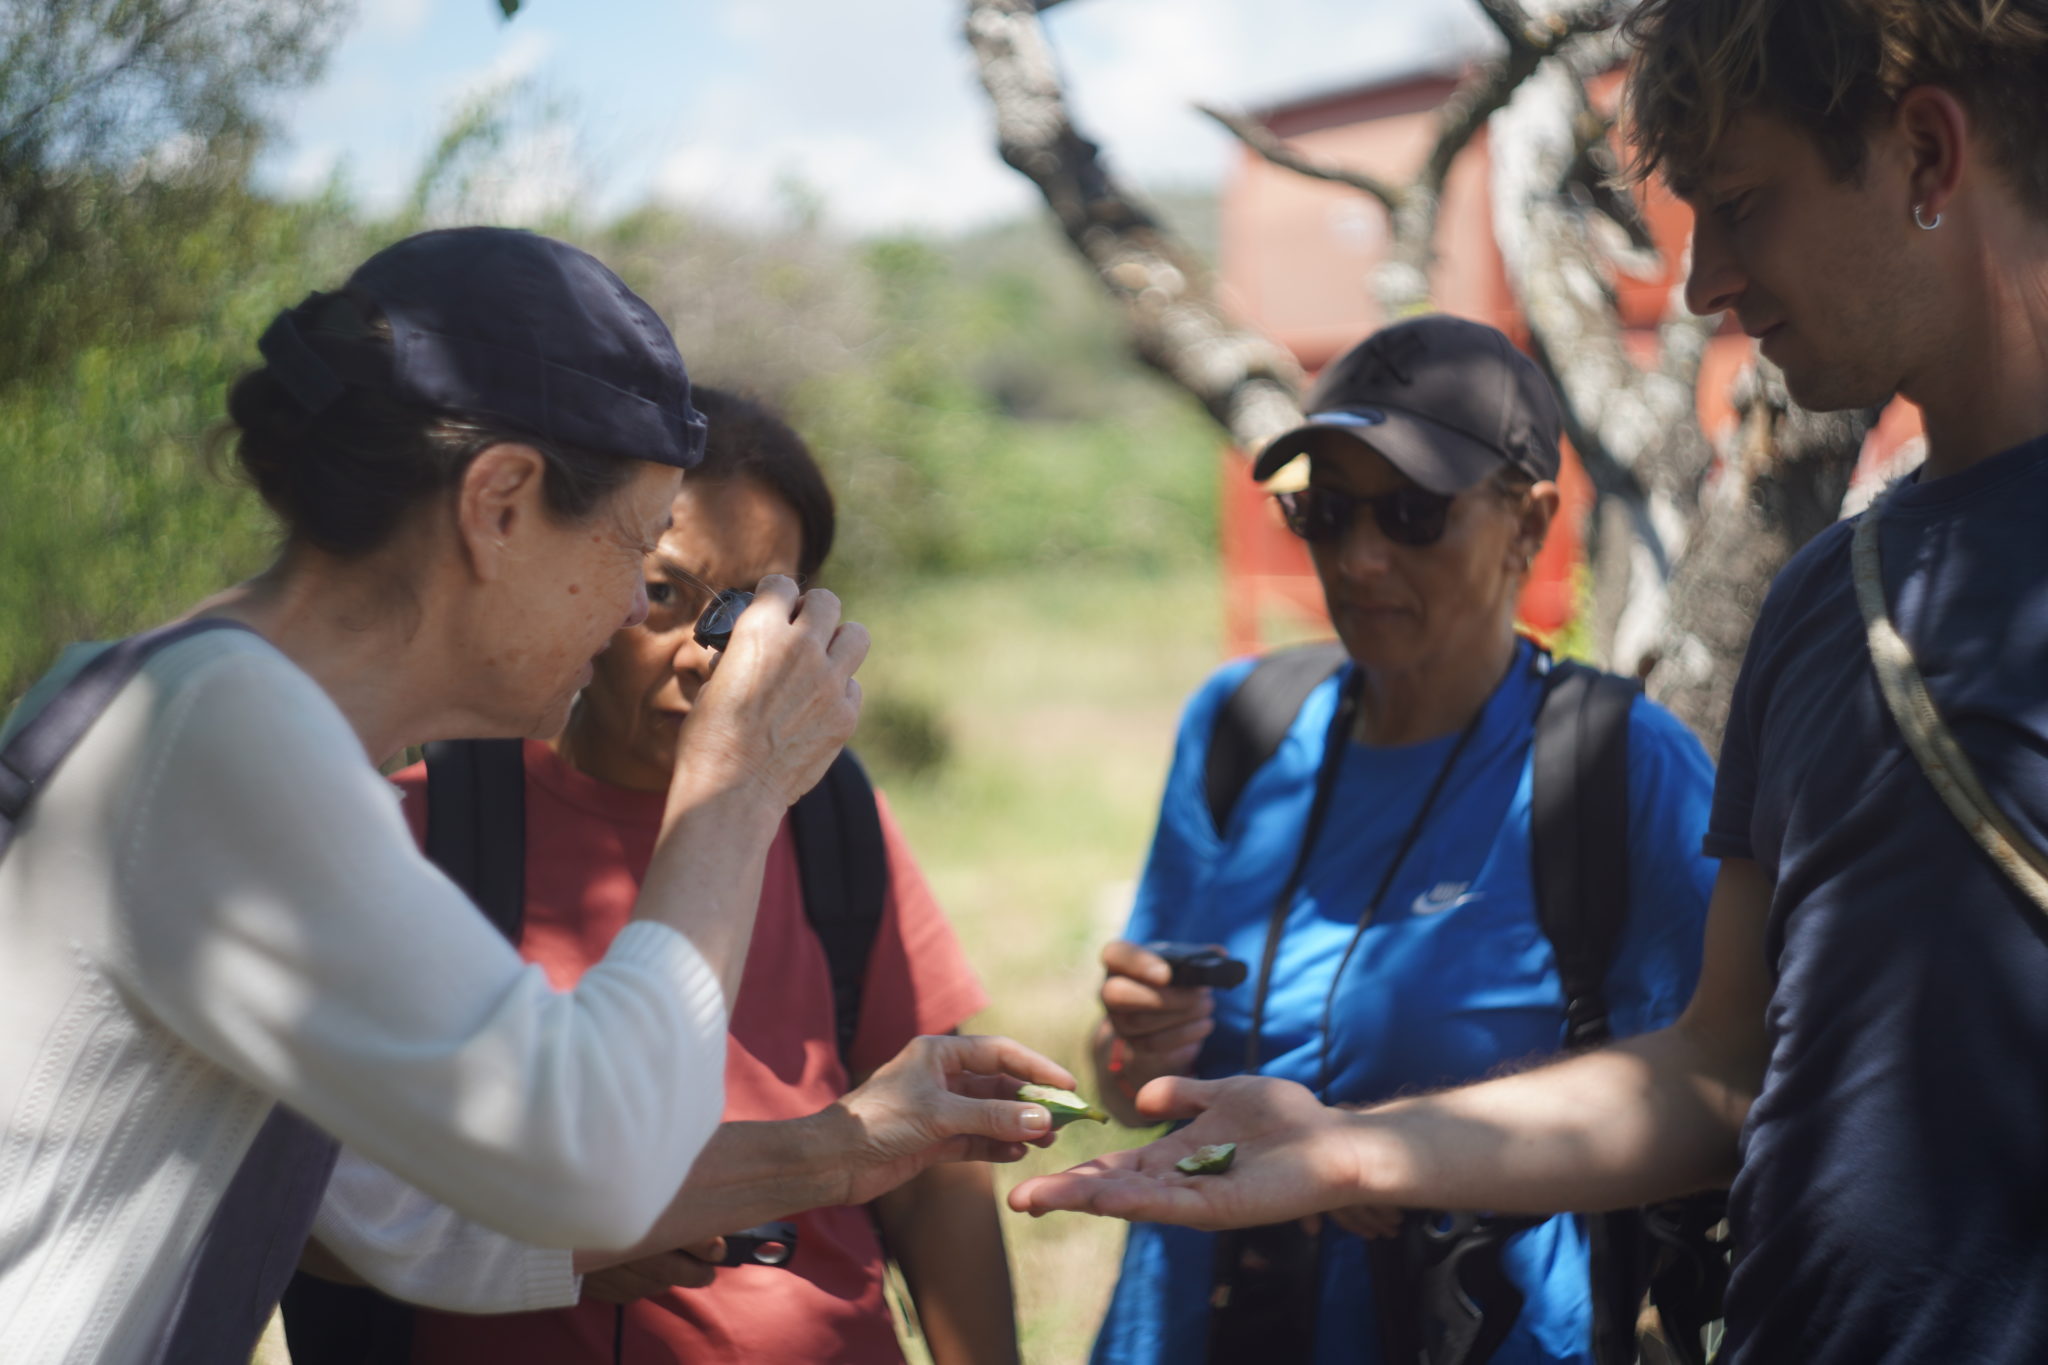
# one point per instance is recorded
(942, 1099)
(1295, 1156)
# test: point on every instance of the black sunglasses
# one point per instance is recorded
(1407, 516)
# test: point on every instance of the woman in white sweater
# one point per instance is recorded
(221, 947)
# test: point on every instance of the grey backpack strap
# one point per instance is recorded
(35, 753)
(251, 1246)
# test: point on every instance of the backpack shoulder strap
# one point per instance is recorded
(476, 823)
(1578, 834)
(39, 747)
(843, 868)
(1256, 717)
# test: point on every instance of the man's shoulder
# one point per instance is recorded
(1818, 570)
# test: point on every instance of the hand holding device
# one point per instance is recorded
(783, 699)
(771, 1244)
(1200, 964)
(1156, 1016)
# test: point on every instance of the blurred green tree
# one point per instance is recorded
(133, 250)
(126, 128)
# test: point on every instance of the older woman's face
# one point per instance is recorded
(729, 535)
(1400, 607)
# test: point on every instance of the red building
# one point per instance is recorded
(1297, 260)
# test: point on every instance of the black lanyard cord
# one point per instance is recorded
(1334, 749)
(1326, 783)
(1379, 896)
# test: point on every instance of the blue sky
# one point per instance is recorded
(872, 104)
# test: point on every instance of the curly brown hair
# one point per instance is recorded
(1835, 68)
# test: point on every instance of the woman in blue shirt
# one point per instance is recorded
(1407, 954)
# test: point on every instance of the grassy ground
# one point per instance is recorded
(1059, 693)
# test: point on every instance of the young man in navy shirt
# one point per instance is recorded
(1866, 1058)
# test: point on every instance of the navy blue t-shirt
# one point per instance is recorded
(1892, 1204)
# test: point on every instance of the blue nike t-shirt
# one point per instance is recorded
(1892, 1207)
(1452, 978)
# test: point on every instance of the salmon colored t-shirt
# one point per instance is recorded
(588, 845)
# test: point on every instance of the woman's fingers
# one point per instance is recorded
(1123, 996)
(849, 646)
(677, 1269)
(1170, 1042)
(990, 1055)
(817, 611)
(1178, 1097)
(1125, 959)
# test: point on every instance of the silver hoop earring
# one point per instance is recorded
(1920, 219)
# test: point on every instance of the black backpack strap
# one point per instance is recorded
(1579, 837)
(1578, 834)
(844, 870)
(1256, 717)
(476, 823)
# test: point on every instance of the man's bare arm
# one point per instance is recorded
(1642, 1120)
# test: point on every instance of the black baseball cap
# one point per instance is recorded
(1446, 401)
(504, 324)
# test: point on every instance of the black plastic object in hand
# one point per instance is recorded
(772, 1244)
(1198, 964)
(714, 627)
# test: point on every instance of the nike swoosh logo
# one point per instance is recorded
(1441, 897)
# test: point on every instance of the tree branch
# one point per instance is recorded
(1275, 150)
(1248, 383)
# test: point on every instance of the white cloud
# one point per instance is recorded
(877, 108)
(521, 54)
(309, 168)
(396, 19)
(873, 106)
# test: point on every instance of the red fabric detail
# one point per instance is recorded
(588, 845)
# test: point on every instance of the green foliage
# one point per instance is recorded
(109, 516)
(969, 397)
(127, 126)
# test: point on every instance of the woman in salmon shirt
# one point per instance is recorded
(756, 505)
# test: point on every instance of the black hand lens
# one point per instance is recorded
(714, 627)
(771, 1244)
(1197, 964)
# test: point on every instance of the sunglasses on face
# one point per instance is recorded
(1407, 516)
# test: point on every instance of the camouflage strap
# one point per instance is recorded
(1928, 736)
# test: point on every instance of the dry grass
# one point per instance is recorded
(1060, 693)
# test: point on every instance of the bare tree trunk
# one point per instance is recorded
(1781, 484)
(1248, 383)
(1636, 430)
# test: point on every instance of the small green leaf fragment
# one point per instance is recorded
(510, 7)
(1213, 1160)
(1064, 1105)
